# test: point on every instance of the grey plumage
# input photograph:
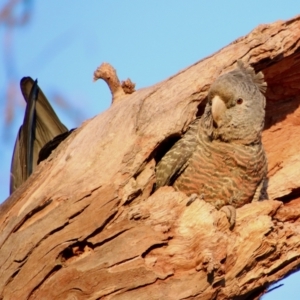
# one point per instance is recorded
(221, 156)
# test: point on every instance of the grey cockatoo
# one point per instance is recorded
(221, 156)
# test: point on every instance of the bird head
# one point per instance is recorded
(235, 110)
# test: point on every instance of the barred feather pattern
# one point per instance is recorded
(224, 173)
(175, 161)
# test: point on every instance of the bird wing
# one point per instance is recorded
(40, 125)
(52, 145)
(176, 159)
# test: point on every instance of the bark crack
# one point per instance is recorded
(51, 273)
(30, 214)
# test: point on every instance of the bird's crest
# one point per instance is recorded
(257, 78)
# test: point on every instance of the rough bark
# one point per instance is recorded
(86, 224)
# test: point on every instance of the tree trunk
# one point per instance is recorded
(86, 224)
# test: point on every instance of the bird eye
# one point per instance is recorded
(239, 101)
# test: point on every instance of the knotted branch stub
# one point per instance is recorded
(118, 90)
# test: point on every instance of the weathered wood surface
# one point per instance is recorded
(87, 226)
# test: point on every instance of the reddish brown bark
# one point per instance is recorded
(86, 224)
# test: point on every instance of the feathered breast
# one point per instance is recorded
(225, 173)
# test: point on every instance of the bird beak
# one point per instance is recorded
(218, 109)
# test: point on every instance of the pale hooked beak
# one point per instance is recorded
(218, 109)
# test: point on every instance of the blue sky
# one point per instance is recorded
(148, 41)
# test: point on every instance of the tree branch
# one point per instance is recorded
(86, 224)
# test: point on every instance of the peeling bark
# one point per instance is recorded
(87, 225)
